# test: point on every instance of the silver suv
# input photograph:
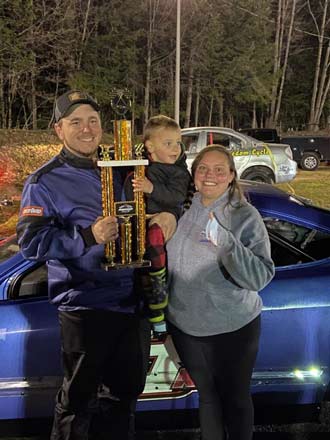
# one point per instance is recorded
(254, 160)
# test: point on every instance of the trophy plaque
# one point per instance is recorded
(129, 249)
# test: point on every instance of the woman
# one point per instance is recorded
(218, 259)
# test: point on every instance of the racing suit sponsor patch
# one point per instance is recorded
(36, 211)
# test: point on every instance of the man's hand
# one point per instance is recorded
(167, 223)
(142, 184)
(105, 229)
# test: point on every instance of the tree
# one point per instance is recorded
(321, 19)
(286, 12)
(158, 17)
(235, 69)
(239, 60)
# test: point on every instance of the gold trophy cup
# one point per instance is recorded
(129, 250)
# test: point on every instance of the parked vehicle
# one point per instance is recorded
(308, 150)
(293, 363)
(268, 135)
(254, 160)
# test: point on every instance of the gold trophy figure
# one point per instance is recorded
(131, 213)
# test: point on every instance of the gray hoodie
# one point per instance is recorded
(214, 288)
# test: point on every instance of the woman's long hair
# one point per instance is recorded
(234, 186)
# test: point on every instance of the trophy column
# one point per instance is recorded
(131, 213)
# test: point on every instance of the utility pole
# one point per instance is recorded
(177, 61)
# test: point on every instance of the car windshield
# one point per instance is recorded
(8, 247)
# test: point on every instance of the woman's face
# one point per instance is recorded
(212, 176)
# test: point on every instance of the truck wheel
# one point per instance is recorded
(310, 162)
(259, 174)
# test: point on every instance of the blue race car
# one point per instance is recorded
(294, 358)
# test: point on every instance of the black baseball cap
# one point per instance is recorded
(69, 101)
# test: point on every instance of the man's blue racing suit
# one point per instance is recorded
(59, 203)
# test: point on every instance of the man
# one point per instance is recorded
(105, 339)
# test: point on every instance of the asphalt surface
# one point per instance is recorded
(302, 431)
(193, 435)
(293, 431)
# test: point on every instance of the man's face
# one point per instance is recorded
(164, 145)
(81, 130)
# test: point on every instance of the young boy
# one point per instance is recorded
(165, 186)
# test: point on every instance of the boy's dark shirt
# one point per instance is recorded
(170, 187)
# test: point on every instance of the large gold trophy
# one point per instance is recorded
(129, 250)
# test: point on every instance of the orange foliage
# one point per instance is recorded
(16, 164)
(9, 227)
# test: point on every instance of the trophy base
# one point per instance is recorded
(133, 265)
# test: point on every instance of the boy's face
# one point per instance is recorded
(164, 145)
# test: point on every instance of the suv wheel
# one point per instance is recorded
(259, 174)
(310, 162)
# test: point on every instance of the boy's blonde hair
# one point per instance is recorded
(157, 122)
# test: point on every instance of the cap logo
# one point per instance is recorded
(75, 96)
(66, 102)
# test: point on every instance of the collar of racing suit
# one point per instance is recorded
(77, 161)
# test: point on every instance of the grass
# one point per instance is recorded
(314, 185)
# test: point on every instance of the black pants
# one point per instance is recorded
(105, 360)
(221, 368)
